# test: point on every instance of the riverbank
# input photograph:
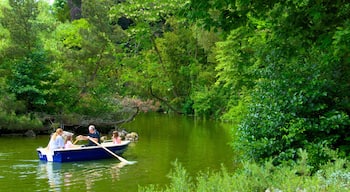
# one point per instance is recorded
(78, 130)
(334, 176)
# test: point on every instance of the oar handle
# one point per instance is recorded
(76, 141)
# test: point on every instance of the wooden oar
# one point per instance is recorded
(115, 155)
(76, 141)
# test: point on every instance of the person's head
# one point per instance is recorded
(59, 131)
(92, 129)
(115, 134)
(69, 137)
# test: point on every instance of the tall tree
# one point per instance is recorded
(19, 19)
(88, 49)
(27, 81)
(30, 75)
(165, 52)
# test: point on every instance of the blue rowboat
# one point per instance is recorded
(82, 153)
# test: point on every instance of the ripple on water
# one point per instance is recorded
(23, 166)
(4, 155)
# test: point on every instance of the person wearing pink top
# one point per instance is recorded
(68, 143)
(115, 138)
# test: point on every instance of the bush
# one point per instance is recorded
(293, 107)
(266, 177)
(19, 122)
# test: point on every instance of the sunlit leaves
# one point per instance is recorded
(146, 10)
(235, 56)
(342, 40)
(70, 35)
(4, 39)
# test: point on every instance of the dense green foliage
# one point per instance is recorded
(254, 177)
(279, 70)
(299, 97)
(283, 74)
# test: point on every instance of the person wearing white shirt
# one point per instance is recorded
(57, 140)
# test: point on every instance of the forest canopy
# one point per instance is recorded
(278, 70)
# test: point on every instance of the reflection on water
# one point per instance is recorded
(115, 170)
(51, 171)
(61, 176)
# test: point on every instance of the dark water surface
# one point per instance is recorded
(196, 144)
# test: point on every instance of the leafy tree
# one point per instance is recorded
(236, 69)
(29, 77)
(32, 81)
(87, 54)
(220, 15)
(61, 10)
(182, 60)
(282, 59)
(19, 19)
(295, 103)
(25, 80)
(167, 58)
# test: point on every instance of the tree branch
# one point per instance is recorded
(164, 101)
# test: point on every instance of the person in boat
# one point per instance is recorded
(93, 134)
(68, 143)
(115, 138)
(56, 140)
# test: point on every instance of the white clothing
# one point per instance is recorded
(57, 143)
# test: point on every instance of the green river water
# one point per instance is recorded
(198, 145)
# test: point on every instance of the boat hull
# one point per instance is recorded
(82, 153)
